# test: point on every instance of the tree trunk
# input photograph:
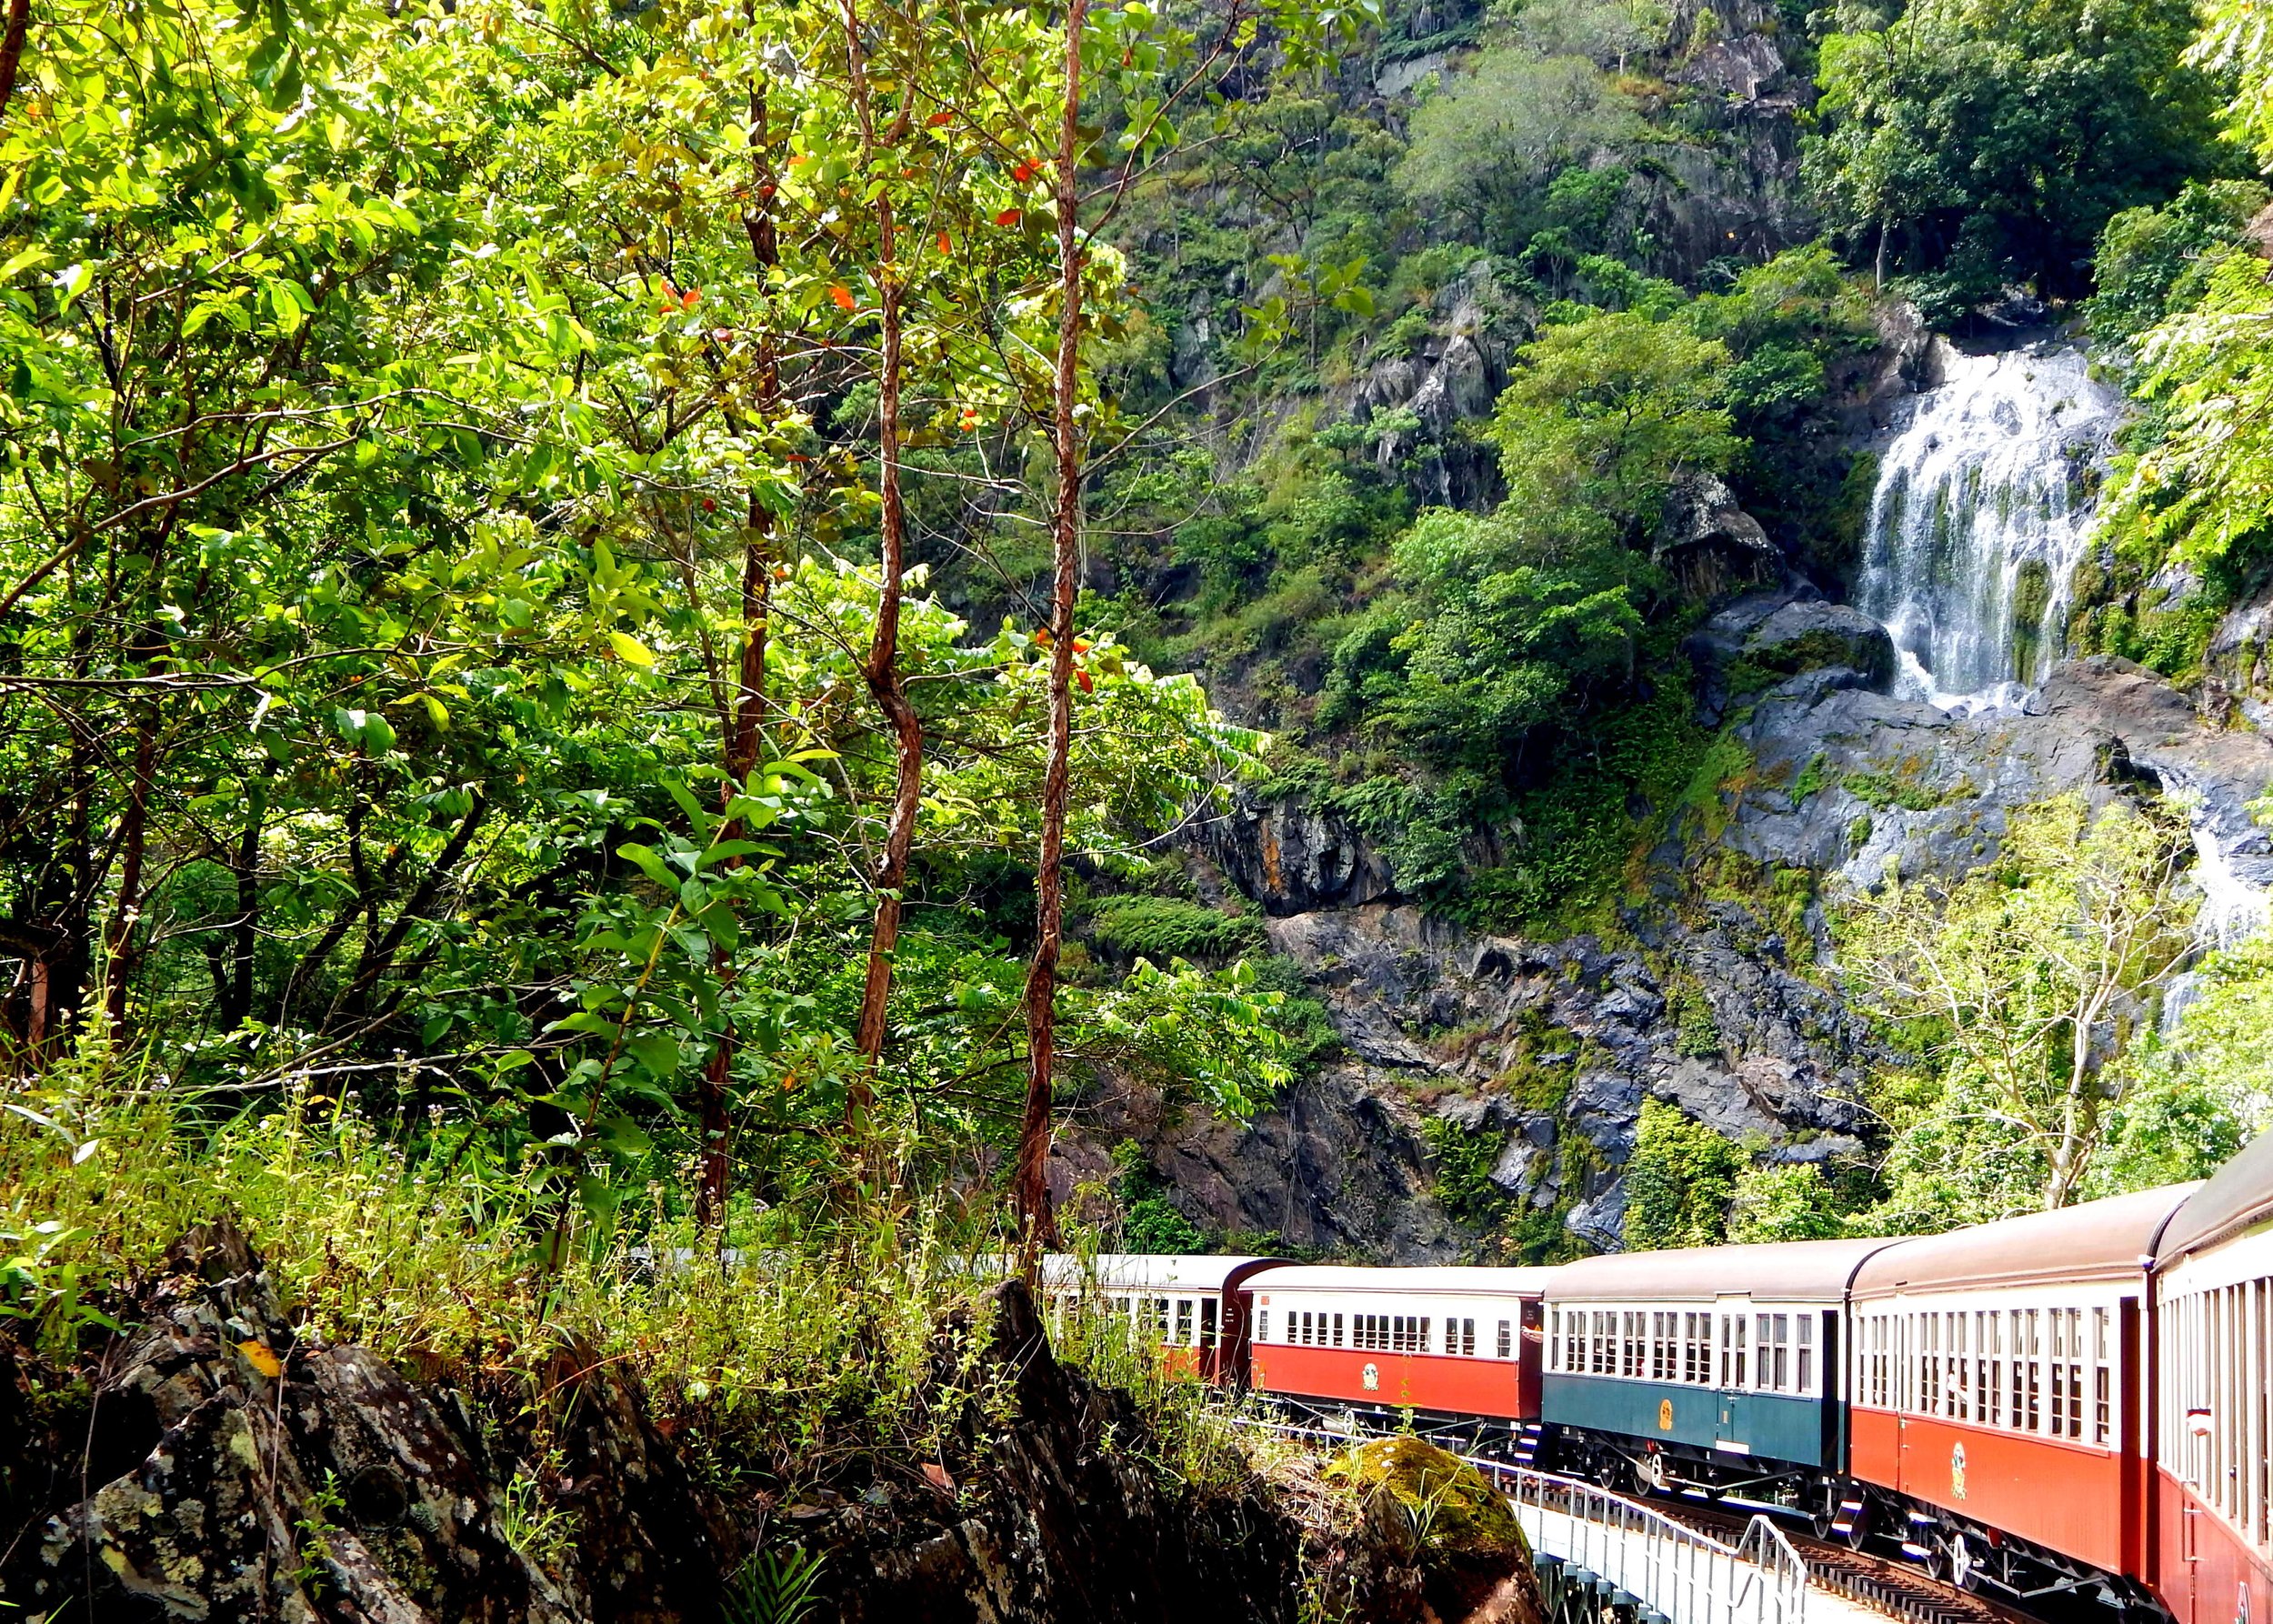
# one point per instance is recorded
(19, 23)
(882, 670)
(133, 842)
(744, 722)
(1037, 1227)
(237, 1002)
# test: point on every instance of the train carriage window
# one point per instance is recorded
(1806, 1353)
(2060, 1388)
(1556, 1358)
(1631, 1365)
(1338, 1330)
(2076, 1356)
(2032, 1357)
(2102, 1380)
(1422, 1342)
(1506, 1343)
(1994, 1347)
(1183, 1321)
(1207, 1322)
(1468, 1335)
(1262, 1324)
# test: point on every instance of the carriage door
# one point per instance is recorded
(1732, 1351)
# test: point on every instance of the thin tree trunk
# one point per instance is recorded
(882, 670)
(12, 48)
(744, 722)
(244, 934)
(134, 841)
(1036, 1226)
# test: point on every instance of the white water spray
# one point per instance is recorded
(1981, 518)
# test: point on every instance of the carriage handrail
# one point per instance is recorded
(1680, 1571)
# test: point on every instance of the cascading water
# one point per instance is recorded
(1979, 519)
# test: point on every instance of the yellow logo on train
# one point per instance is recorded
(1956, 1471)
(1665, 1415)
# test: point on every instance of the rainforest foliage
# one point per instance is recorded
(633, 610)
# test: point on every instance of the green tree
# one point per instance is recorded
(1604, 414)
(2023, 983)
(1965, 145)
(1680, 1182)
(1488, 144)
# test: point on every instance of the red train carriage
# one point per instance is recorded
(2213, 1439)
(1453, 1342)
(1192, 1308)
(1998, 1389)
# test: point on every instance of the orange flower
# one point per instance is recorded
(842, 295)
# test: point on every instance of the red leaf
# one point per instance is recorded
(842, 295)
(938, 118)
(1088, 686)
(690, 298)
(946, 244)
(1025, 171)
(1009, 216)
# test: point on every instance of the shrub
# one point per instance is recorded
(1162, 928)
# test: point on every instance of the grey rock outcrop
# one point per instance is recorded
(263, 1471)
(1292, 856)
(1766, 635)
(1551, 1049)
(1711, 545)
(1452, 377)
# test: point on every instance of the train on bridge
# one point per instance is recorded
(2070, 1404)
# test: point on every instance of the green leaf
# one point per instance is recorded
(631, 650)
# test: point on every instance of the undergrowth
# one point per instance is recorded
(800, 1351)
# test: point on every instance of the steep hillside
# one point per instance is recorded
(1569, 923)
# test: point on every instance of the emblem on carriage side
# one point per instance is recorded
(1371, 1377)
(1665, 1415)
(1957, 1470)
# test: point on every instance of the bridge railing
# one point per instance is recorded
(1664, 1566)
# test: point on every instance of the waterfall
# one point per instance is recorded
(1979, 519)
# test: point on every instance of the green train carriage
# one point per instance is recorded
(1716, 1371)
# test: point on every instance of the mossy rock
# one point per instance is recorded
(1447, 1504)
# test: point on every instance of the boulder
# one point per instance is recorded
(1427, 1511)
(267, 1474)
(1710, 544)
(1763, 637)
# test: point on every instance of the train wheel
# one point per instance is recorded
(1963, 1565)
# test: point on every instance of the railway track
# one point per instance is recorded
(1894, 1588)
